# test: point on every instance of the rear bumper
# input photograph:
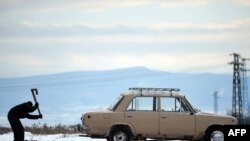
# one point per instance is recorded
(82, 128)
(85, 128)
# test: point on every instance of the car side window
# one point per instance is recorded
(171, 104)
(142, 104)
(168, 104)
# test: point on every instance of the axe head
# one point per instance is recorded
(34, 90)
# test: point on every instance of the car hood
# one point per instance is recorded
(219, 118)
(212, 114)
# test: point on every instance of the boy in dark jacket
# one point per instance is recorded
(18, 112)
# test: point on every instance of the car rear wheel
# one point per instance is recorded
(215, 134)
(119, 134)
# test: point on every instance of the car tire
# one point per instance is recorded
(119, 134)
(214, 134)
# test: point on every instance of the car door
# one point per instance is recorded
(175, 118)
(142, 115)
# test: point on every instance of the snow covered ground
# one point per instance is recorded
(56, 137)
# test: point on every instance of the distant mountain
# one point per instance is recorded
(63, 97)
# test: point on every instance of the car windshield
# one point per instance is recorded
(193, 108)
(113, 106)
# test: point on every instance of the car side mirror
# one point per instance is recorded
(191, 113)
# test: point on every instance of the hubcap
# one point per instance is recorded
(120, 136)
(217, 136)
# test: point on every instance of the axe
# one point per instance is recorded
(34, 93)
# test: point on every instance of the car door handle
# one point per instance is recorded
(163, 117)
(129, 116)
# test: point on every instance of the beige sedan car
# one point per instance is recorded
(155, 113)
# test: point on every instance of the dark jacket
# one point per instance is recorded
(23, 110)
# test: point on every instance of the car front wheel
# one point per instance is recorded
(215, 134)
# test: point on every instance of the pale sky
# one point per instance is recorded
(53, 36)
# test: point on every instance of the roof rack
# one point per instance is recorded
(154, 89)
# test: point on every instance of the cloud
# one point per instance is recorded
(232, 25)
(35, 29)
(41, 39)
(46, 6)
(114, 39)
(116, 57)
(241, 2)
(196, 62)
(182, 25)
(23, 60)
(180, 3)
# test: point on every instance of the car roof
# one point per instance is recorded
(169, 92)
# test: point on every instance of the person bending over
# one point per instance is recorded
(18, 112)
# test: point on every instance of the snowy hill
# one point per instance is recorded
(63, 97)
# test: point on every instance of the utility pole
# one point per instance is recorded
(245, 96)
(237, 109)
(216, 102)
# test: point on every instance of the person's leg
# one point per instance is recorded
(20, 131)
(13, 123)
(16, 127)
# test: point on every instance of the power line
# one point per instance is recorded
(245, 99)
(237, 109)
(216, 102)
(240, 100)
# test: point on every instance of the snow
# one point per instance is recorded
(56, 137)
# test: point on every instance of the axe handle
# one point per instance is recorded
(34, 92)
(38, 110)
(34, 97)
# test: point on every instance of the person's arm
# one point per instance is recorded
(34, 107)
(33, 116)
